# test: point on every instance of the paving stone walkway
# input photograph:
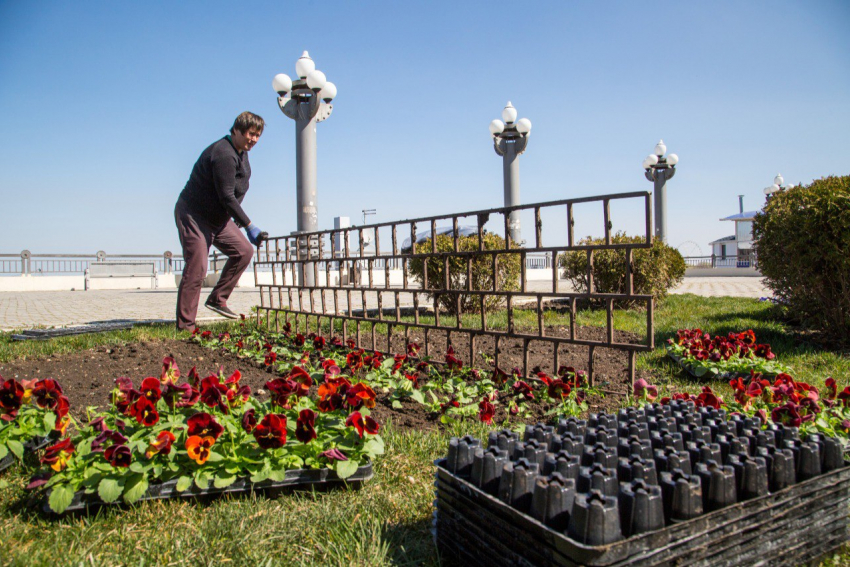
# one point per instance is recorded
(23, 310)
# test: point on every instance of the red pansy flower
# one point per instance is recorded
(304, 427)
(486, 411)
(46, 393)
(281, 390)
(270, 433)
(362, 423)
(118, 456)
(57, 455)
(203, 425)
(162, 445)
(360, 395)
(249, 420)
(170, 371)
(145, 412)
(150, 389)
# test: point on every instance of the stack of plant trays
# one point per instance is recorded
(663, 485)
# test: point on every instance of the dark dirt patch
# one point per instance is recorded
(87, 377)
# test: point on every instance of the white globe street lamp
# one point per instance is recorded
(305, 100)
(658, 169)
(510, 139)
(778, 185)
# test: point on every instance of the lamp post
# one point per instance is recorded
(778, 185)
(658, 169)
(307, 101)
(510, 139)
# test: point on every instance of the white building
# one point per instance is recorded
(739, 246)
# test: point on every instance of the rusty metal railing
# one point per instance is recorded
(344, 280)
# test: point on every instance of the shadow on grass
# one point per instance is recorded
(411, 543)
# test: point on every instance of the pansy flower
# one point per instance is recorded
(270, 433)
(362, 423)
(644, 390)
(162, 445)
(270, 358)
(170, 371)
(413, 350)
(452, 362)
(107, 436)
(214, 393)
(150, 389)
(57, 455)
(281, 390)
(831, 388)
(298, 341)
(302, 378)
(305, 426)
(523, 390)
(46, 393)
(203, 425)
(360, 395)
(145, 412)
(558, 389)
(787, 415)
(486, 411)
(318, 343)
(199, 448)
(249, 420)
(11, 399)
(334, 455)
(452, 403)
(180, 395)
(499, 376)
(118, 456)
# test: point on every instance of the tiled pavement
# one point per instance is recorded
(20, 310)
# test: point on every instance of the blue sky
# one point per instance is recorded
(105, 107)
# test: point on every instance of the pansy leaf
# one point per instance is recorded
(4, 484)
(345, 469)
(110, 489)
(224, 480)
(49, 421)
(60, 498)
(83, 448)
(261, 475)
(136, 487)
(215, 457)
(16, 448)
(202, 480)
(374, 446)
(397, 404)
(3, 450)
(183, 483)
(277, 475)
(417, 396)
(139, 467)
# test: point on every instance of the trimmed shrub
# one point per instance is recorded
(654, 270)
(482, 272)
(802, 239)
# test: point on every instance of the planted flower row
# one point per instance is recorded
(736, 354)
(30, 411)
(211, 431)
(450, 389)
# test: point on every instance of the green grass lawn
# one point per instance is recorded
(389, 520)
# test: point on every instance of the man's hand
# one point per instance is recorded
(255, 235)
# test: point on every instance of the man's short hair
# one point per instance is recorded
(246, 121)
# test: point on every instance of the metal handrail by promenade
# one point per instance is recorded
(26, 263)
(713, 261)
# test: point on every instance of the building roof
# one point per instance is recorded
(724, 239)
(746, 215)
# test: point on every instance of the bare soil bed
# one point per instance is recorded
(87, 377)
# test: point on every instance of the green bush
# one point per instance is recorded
(482, 272)
(803, 244)
(654, 270)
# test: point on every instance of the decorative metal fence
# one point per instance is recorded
(321, 277)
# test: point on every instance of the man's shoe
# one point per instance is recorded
(221, 310)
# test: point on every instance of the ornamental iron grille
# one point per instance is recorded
(370, 281)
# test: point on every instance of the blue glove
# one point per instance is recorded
(254, 234)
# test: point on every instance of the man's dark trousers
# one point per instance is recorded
(196, 237)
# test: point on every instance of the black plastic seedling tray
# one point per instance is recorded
(788, 527)
(313, 479)
(29, 447)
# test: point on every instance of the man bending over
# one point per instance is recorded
(209, 213)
